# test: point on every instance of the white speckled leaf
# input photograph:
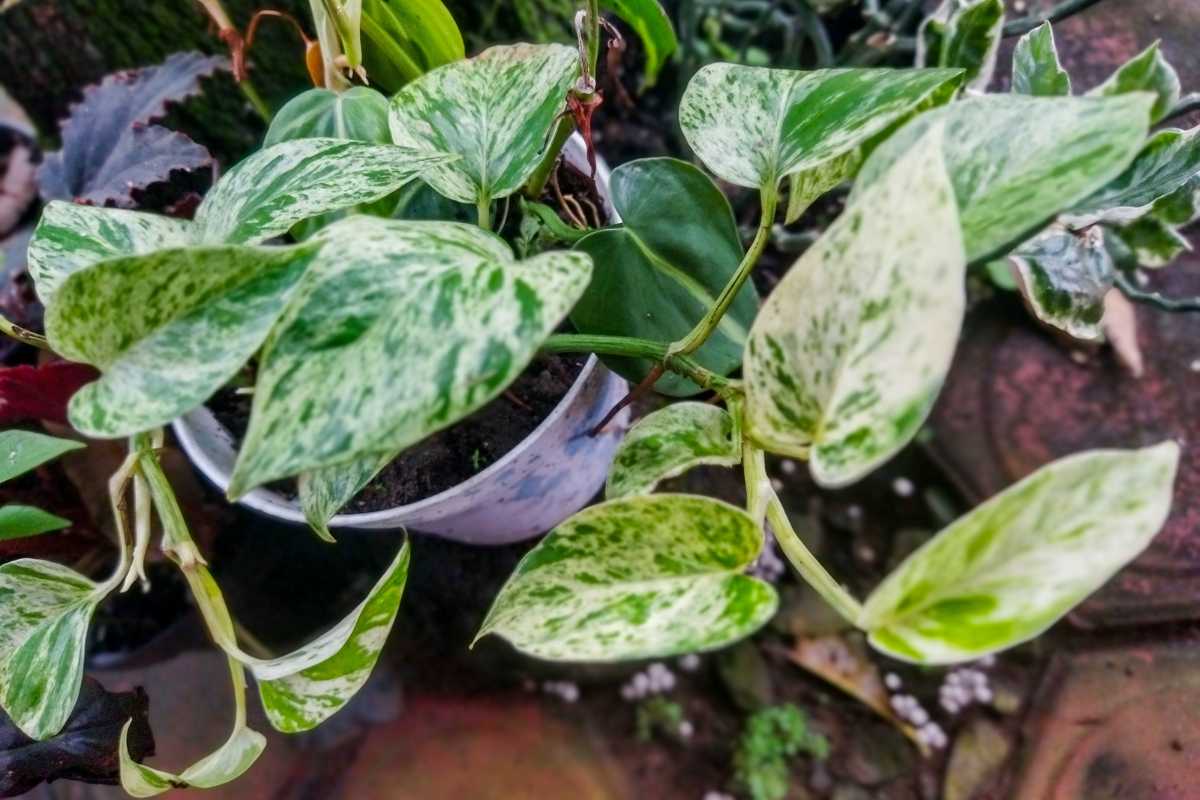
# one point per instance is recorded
(639, 577)
(404, 329)
(850, 350)
(1153, 242)
(754, 126)
(269, 192)
(963, 34)
(1018, 161)
(668, 443)
(70, 237)
(1012, 567)
(495, 110)
(45, 609)
(187, 321)
(323, 492)
(1036, 69)
(1146, 72)
(807, 186)
(21, 451)
(1065, 277)
(359, 113)
(1167, 162)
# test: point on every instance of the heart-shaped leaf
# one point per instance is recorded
(753, 126)
(850, 350)
(1017, 161)
(188, 320)
(1167, 162)
(1036, 69)
(269, 192)
(407, 38)
(1013, 566)
(652, 25)
(1146, 72)
(639, 577)
(495, 111)
(20, 521)
(21, 451)
(399, 330)
(660, 271)
(963, 34)
(1065, 277)
(359, 114)
(807, 186)
(668, 443)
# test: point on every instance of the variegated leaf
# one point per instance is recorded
(668, 443)
(189, 319)
(399, 330)
(754, 126)
(495, 111)
(323, 492)
(1017, 161)
(850, 350)
(21, 451)
(1168, 161)
(638, 577)
(1036, 68)
(1065, 277)
(1012, 567)
(17, 522)
(966, 34)
(45, 609)
(1146, 72)
(70, 237)
(1153, 242)
(359, 113)
(805, 187)
(269, 192)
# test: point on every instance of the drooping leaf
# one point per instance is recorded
(660, 271)
(323, 492)
(1146, 72)
(963, 34)
(189, 320)
(45, 609)
(21, 451)
(20, 521)
(1017, 161)
(850, 350)
(1152, 242)
(1036, 69)
(110, 149)
(652, 25)
(70, 237)
(406, 39)
(85, 750)
(1012, 567)
(1168, 161)
(42, 392)
(753, 126)
(495, 111)
(359, 114)
(1065, 277)
(402, 329)
(638, 577)
(668, 443)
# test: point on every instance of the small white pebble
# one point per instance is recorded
(777, 484)
(990, 659)
(788, 466)
(689, 662)
(1195, 365)
(903, 487)
(854, 512)
(919, 716)
(891, 681)
(686, 730)
(1141, 277)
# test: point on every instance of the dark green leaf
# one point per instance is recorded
(1145, 72)
(1065, 277)
(21, 451)
(19, 521)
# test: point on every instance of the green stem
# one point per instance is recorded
(699, 334)
(593, 36)
(631, 347)
(1019, 27)
(24, 336)
(1154, 298)
(760, 493)
(483, 206)
(255, 99)
(537, 181)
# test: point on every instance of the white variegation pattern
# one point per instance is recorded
(1012, 567)
(807, 186)
(1169, 160)
(324, 491)
(668, 443)
(1148, 71)
(402, 330)
(359, 113)
(850, 350)
(639, 577)
(1036, 68)
(754, 126)
(1064, 278)
(495, 111)
(70, 237)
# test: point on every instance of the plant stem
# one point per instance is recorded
(24, 336)
(593, 36)
(483, 206)
(1023, 25)
(255, 99)
(1154, 298)
(232, 37)
(758, 493)
(537, 181)
(1187, 104)
(699, 334)
(640, 348)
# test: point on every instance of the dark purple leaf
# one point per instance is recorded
(41, 393)
(85, 750)
(110, 147)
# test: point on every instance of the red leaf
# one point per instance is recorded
(41, 393)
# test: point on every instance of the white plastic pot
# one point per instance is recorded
(550, 475)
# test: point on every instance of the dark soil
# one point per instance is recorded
(451, 456)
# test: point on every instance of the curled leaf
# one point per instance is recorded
(669, 442)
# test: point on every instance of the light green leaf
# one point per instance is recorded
(1145, 72)
(359, 114)
(807, 186)
(639, 577)
(1012, 567)
(323, 492)
(1065, 277)
(668, 443)
(652, 25)
(1182, 206)
(754, 126)
(303, 689)
(19, 521)
(44, 613)
(269, 192)
(21, 451)
(1036, 69)
(1154, 243)
(189, 319)
(400, 329)
(1017, 161)
(659, 272)
(407, 38)
(963, 34)
(70, 237)
(850, 350)
(1168, 161)
(495, 111)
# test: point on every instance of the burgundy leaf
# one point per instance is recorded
(41, 393)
